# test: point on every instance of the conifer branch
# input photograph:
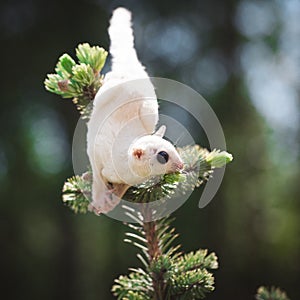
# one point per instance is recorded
(81, 80)
(167, 273)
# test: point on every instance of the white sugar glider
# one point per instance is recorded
(122, 144)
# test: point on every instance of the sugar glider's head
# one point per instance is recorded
(151, 155)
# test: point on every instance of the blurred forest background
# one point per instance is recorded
(242, 56)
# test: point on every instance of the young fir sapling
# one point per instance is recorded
(167, 273)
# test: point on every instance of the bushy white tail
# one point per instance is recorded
(124, 57)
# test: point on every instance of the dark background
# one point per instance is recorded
(242, 56)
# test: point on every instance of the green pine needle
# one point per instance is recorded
(168, 274)
(64, 66)
(94, 56)
(218, 159)
(135, 286)
(83, 74)
(77, 192)
(264, 293)
(79, 81)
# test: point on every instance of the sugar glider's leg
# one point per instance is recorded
(103, 201)
(119, 189)
(105, 196)
(98, 193)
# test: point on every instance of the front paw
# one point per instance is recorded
(105, 203)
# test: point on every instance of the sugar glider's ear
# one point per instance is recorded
(138, 153)
(161, 131)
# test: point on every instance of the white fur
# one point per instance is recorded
(125, 109)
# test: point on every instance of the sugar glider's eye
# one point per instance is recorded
(162, 157)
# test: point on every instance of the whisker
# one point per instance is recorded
(180, 137)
